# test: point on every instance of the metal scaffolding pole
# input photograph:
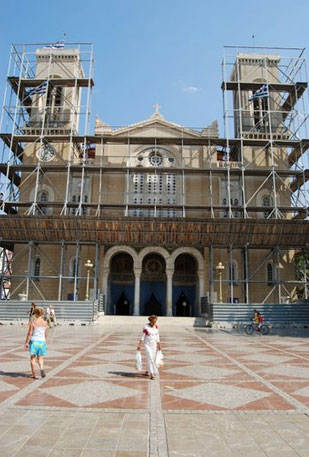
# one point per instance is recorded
(211, 272)
(76, 271)
(230, 273)
(61, 269)
(246, 272)
(29, 271)
(96, 270)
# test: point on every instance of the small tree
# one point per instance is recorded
(302, 274)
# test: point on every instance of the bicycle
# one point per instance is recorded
(251, 328)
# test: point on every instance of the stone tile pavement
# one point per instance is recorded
(218, 394)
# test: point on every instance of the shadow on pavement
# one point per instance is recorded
(126, 374)
(13, 374)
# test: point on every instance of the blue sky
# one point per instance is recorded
(160, 51)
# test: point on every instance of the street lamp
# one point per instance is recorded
(89, 266)
(220, 269)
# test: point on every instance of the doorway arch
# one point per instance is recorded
(153, 285)
(121, 284)
(185, 282)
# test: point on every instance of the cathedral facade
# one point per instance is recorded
(153, 217)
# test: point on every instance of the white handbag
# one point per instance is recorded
(159, 359)
(138, 359)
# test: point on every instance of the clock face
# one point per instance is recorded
(46, 153)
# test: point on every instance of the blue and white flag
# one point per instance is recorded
(262, 92)
(57, 45)
(41, 89)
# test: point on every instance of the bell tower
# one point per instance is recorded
(46, 125)
(53, 98)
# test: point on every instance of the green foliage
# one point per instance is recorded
(302, 273)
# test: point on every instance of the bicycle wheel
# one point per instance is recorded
(249, 329)
(264, 329)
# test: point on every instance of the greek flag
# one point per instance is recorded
(260, 93)
(57, 45)
(41, 89)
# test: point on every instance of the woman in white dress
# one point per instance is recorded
(151, 339)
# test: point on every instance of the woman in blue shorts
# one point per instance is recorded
(36, 341)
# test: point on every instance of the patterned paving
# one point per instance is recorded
(102, 370)
(290, 371)
(265, 358)
(87, 393)
(96, 368)
(202, 372)
(99, 405)
(195, 357)
(225, 396)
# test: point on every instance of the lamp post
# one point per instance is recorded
(89, 266)
(220, 269)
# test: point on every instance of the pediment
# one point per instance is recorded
(155, 126)
(157, 129)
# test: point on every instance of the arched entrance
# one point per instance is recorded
(123, 306)
(153, 285)
(184, 285)
(183, 306)
(121, 284)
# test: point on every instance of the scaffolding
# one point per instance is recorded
(231, 196)
(273, 125)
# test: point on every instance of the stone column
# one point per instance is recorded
(169, 292)
(137, 288)
(201, 289)
(105, 287)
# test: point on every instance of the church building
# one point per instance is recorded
(154, 217)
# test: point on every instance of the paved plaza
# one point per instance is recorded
(219, 393)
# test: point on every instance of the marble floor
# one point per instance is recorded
(219, 393)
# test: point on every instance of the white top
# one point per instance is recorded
(38, 334)
(150, 334)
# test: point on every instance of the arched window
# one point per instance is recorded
(236, 203)
(42, 198)
(54, 104)
(260, 109)
(270, 273)
(54, 97)
(80, 186)
(267, 201)
(36, 268)
(231, 195)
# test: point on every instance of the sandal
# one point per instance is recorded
(151, 376)
(42, 373)
(146, 373)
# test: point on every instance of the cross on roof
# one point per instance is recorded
(157, 108)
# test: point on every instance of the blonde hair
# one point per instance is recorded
(38, 312)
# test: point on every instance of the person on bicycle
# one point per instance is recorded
(261, 320)
(255, 318)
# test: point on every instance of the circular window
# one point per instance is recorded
(153, 266)
(155, 159)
